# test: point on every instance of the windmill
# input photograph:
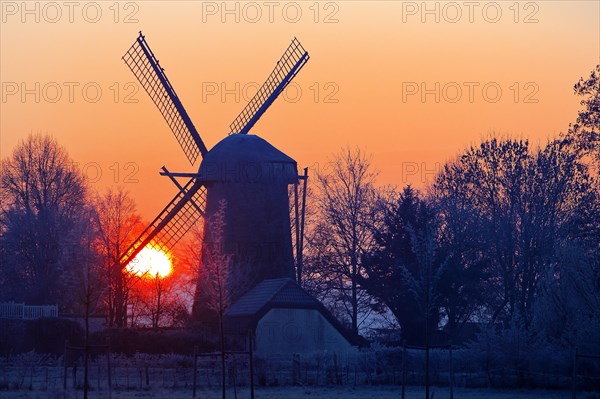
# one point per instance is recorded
(245, 170)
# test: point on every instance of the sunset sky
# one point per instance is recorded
(363, 85)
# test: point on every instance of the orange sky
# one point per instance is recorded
(365, 56)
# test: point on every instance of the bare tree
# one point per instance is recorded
(214, 280)
(346, 204)
(585, 132)
(568, 308)
(88, 287)
(42, 195)
(191, 259)
(159, 299)
(523, 206)
(157, 304)
(118, 225)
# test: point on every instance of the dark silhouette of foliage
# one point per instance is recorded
(118, 225)
(585, 132)
(43, 197)
(347, 204)
(405, 269)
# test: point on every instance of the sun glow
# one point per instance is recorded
(151, 262)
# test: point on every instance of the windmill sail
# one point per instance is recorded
(173, 222)
(286, 69)
(144, 65)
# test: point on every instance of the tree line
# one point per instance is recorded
(61, 242)
(507, 234)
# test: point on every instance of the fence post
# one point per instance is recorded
(195, 371)
(251, 360)
(109, 368)
(574, 377)
(451, 373)
(65, 365)
(403, 367)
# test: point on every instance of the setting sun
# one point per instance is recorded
(150, 262)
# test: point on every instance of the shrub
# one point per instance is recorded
(129, 341)
(41, 335)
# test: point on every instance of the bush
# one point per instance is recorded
(129, 341)
(509, 357)
(14, 338)
(41, 335)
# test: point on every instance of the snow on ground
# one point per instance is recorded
(359, 392)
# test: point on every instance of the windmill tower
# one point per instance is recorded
(245, 170)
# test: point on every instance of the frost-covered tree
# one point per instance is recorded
(402, 269)
(42, 198)
(490, 181)
(215, 283)
(346, 205)
(523, 206)
(88, 286)
(585, 132)
(158, 299)
(118, 225)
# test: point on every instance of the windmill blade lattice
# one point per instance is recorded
(144, 65)
(287, 68)
(173, 222)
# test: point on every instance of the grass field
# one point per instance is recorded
(359, 392)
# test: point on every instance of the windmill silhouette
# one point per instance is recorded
(245, 170)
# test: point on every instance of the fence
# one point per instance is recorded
(577, 357)
(372, 367)
(13, 310)
(107, 373)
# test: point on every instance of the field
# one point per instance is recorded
(359, 392)
(366, 375)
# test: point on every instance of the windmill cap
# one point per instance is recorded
(247, 158)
